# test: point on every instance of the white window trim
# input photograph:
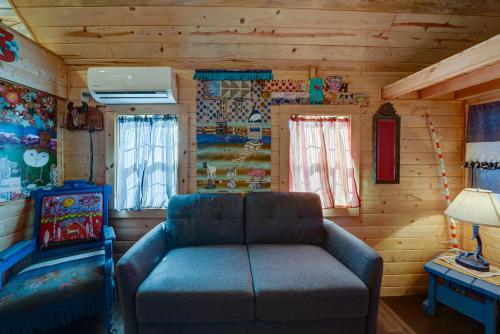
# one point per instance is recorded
(110, 119)
(286, 111)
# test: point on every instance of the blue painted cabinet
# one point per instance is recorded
(471, 296)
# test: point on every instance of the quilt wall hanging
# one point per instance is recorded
(330, 90)
(233, 132)
(482, 151)
(28, 133)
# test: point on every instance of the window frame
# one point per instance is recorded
(286, 111)
(110, 121)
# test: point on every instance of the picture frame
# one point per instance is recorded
(386, 145)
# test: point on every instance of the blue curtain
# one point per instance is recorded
(483, 146)
(146, 161)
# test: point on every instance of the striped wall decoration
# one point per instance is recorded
(439, 151)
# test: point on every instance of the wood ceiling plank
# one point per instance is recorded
(446, 23)
(248, 35)
(485, 88)
(205, 16)
(474, 58)
(249, 51)
(255, 17)
(462, 7)
(480, 76)
(224, 63)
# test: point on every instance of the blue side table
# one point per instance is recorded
(473, 297)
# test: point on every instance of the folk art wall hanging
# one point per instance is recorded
(233, 132)
(386, 138)
(332, 90)
(9, 48)
(28, 133)
(67, 219)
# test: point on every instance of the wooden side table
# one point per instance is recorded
(471, 296)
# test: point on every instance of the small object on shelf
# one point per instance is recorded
(316, 91)
(477, 207)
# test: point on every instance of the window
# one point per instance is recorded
(483, 146)
(321, 159)
(146, 161)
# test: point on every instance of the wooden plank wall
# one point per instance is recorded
(40, 69)
(403, 222)
(37, 67)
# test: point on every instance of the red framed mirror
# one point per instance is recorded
(386, 137)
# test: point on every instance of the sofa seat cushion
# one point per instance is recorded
(304, 282)
(198, 284)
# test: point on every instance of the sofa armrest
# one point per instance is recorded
(361, 260)
(134, 266)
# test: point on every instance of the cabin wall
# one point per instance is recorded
(40, 69)
(403, 222)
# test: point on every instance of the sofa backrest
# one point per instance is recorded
(279, 217)
(205, 219)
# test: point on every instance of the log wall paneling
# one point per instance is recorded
(36, 67)
(16, 222)
(40, 69)
(403, 222)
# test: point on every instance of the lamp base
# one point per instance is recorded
(473, 261)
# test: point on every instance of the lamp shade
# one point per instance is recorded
(476, 206)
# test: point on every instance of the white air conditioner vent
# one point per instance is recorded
(132, 85)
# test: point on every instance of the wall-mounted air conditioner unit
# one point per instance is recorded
(132, 85)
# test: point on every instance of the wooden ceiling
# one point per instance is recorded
(368, 35)
(9, 17)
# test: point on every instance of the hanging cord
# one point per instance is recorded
(439, 151)
(91, 171)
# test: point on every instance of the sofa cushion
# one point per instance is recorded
(304, 282)
(205, 219)
(277, 217)
(198, 284)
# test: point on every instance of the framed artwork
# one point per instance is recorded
(386, 148)
(233, 136)
(28, 154)
(70, 215)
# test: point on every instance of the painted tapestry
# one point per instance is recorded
(70, 219)
(27, 140)
(233, 137)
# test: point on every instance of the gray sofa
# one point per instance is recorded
(263, 263)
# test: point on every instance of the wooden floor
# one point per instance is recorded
(398, 315)
(390, 323)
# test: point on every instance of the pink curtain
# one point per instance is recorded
(321, 160)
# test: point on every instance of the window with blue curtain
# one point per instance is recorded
(483, 146)
(146, 161)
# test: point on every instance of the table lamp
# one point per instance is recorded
(477, 207)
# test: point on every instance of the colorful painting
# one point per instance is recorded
(69, 219)
(234, 140)
(286, 86)
(9, 49)
(316, 91)
(27, 140)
